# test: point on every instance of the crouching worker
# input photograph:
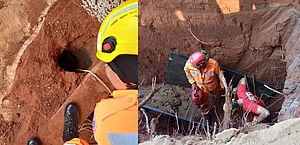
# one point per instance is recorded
(116, 118)
(251, 103)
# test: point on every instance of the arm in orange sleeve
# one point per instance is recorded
(188, 73)
(220, 74)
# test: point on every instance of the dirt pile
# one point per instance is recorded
(285, 132)
(170, 99)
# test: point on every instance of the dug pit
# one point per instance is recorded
(252, 42)
(74, 59)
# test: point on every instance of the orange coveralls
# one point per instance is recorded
(208, 80)
(115, 120)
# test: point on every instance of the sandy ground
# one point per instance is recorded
(17, 25)
(286, 132)
(38, 40)
(19, 22)
(41, 86)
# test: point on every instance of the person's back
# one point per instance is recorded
(246, 95)
(251, 103)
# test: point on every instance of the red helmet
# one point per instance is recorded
(196, 57)
(197, 96)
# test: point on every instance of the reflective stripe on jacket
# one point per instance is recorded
(209, 79)
(116, 119)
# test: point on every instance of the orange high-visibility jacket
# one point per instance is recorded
(208, 80)
(116, 119)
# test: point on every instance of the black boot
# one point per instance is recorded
(34, 141)
(71, 122)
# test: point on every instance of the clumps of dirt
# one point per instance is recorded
(2, 4)
(7, 126)
(169, 98)
(290, 107)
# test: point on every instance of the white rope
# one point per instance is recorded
(273, 89)
(190, 30)
(88, 71)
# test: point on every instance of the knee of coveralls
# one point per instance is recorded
(76, 141)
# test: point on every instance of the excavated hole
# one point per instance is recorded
(265, 62)
(73, 59)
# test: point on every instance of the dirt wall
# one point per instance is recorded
(251, 45)
(291, 107)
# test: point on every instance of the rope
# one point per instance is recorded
(273, 89)
(190, 30)
(88, 71)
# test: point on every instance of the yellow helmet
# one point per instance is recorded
(118, 33)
